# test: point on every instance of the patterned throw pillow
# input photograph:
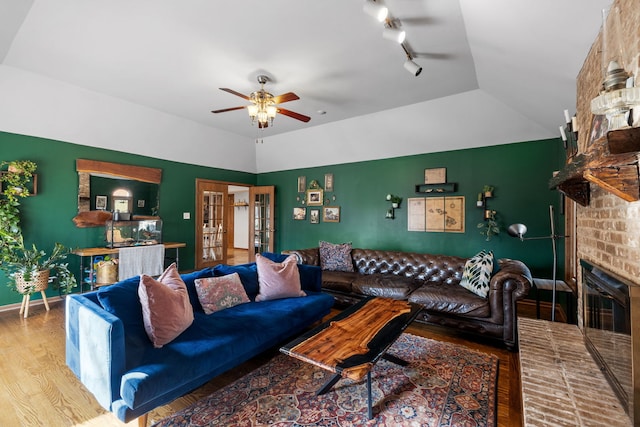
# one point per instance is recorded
(218, 293)
(335, 257)
(477, 273)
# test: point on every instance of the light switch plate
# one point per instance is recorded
(186, 215)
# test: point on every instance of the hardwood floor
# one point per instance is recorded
(37, 388)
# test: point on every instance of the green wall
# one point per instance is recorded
(520, 173)
(47, 217)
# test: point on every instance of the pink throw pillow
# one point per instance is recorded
(166, 310)
(278, 279)
(218, 293)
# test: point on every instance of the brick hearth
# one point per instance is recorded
(561, 383)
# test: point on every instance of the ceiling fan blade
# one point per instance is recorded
(228, 109)
(285, 97)
(235, 93)
(294, 115)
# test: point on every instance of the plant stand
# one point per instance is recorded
(39, 283)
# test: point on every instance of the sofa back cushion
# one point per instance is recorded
(430, 268)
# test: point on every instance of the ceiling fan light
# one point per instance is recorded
(271, 111)
(412, 67)
(394, 34)
(376, 10)
(253, 110)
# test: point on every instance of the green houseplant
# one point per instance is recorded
(489, 227)
(27, 269)
(395, 200)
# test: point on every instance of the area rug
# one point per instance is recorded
(443, 385)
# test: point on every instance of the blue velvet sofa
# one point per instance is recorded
(108, 350)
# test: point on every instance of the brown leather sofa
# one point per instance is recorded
(432, 281)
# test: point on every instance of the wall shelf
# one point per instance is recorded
(611, 163)
(448, 187)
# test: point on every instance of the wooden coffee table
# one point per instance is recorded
(351, 343)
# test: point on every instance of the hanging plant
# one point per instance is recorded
(489, 227)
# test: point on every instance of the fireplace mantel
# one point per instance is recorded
(611, 163)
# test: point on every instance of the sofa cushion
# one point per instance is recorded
(477, 273)
(338, 280)
(451, 299)
(218, 293)
(385, 285)
(335, 257)
(278, 279)
(166, 310)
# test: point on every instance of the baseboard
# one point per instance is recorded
(32, 303)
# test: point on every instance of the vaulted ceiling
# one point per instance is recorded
(172, 57)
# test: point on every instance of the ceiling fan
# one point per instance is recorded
(264, 105)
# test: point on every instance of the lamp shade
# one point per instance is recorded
(376, 10)
(517, 230)
(412, 67)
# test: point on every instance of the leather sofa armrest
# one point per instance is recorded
(513, 278)
(309, 256)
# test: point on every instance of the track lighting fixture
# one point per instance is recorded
(376, 10)
(392, 32)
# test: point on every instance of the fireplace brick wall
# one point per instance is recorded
(608, 230)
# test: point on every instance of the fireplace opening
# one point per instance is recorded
(608, 330)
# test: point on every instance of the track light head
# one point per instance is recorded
(376, 10)
(394, 34)
(412, 67)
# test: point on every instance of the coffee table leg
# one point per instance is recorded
(327, 386)
(395, 359)
(370, 407)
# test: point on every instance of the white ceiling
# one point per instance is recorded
(172, 56)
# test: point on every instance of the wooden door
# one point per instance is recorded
(261, 221)
(211, 223)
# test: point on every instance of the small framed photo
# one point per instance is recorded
(315, 197)
(328, 182)
(599, 127)
(101, 203)
(331, 214)
(314, 215)
(141, 203)
(435, 176)
(299, 213)
(302, 184)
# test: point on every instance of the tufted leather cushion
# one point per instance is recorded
(385, 285)
(425, 267)
(451, 299)
(338, 280)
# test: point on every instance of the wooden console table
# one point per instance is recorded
(92, 253)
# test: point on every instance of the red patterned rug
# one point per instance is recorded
(443, 385)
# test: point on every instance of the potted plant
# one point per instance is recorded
(395, 200)
(27, 269)
(487, 190)
(480, 202)
(489, 227)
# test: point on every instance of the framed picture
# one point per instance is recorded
(599, 127)
(331, 214)
(302, 184)
(299, 213)
(328, 182)
(435, 176)
(315, 197)
(314, 214)
(101, 203)
(141, 203)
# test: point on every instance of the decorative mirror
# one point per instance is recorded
(101, 188)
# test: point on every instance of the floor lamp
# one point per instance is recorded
(519, 230)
